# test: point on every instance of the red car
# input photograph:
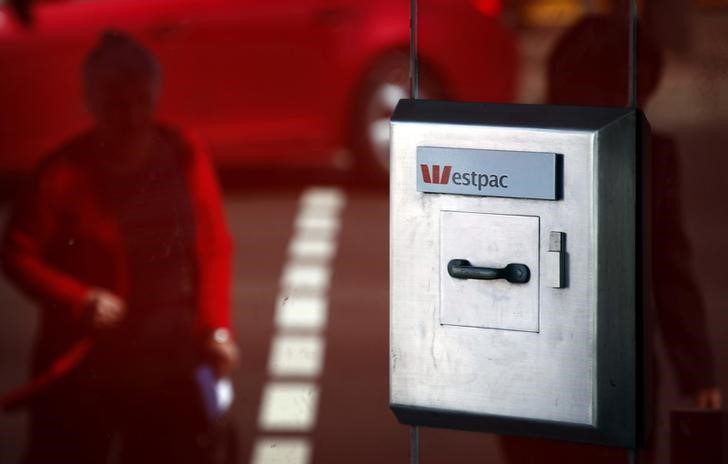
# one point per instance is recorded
(282, 81)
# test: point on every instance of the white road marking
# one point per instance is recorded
(281, 451)
(308, 276)
(296, 355)
(301, 306)
(323, 224)
(318, 234)
(288, 407)
(312, 248)
(328, 197)
(295, 311)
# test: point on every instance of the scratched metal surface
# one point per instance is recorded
(561, 371)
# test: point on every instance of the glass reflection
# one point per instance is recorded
(120, 239)
(290, 94)
(588, 65)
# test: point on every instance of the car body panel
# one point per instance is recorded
(261, 81)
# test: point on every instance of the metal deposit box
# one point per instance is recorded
(515, 269)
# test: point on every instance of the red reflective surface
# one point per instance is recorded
(295, 91)
(273, 81)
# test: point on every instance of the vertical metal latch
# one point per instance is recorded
(556, 260)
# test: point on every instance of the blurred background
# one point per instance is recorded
(292, 98)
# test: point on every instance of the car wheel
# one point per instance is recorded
(385, 84)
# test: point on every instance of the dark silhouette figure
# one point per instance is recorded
(120, 238)
(589, 66)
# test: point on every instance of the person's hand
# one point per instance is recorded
(106, 310)
(710, 398)
(223, 352)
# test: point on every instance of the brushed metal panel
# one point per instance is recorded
(555, 262)
(489, 240)
(575, 377)
(467, 371)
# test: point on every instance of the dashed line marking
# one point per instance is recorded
(319, 224)
(289, 406)
(309, 276)
(312, 248)
(296, 356)
(290, 399)
(296, 311)
(281, 451)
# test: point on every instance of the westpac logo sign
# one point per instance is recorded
(495, 173)
(431, 174)
(462, 178)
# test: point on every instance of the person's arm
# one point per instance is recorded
(32, 227)
(214, 248)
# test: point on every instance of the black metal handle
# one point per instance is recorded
(514, 273)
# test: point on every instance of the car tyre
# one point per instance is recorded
(384, 85)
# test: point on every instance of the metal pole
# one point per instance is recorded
(633, 454)
(414, 94)
(414, 71)
(414, 445)
(633, 53)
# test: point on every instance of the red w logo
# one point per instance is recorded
(435, 178)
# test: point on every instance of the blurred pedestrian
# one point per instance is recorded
(589, 67)
(121, 240)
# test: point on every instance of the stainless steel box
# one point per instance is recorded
(556, 189)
